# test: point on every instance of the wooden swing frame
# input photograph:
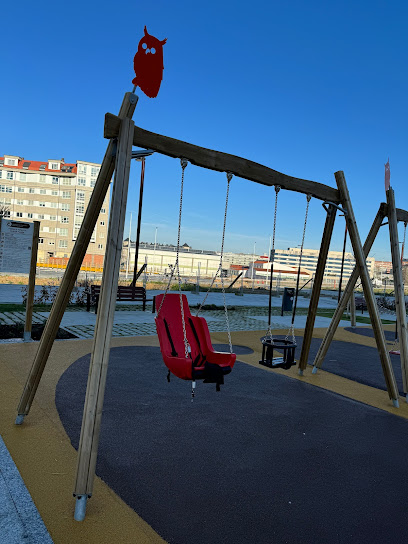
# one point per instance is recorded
(122, 133)
(394, 215)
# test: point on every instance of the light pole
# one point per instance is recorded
(128, 251)
(154, 251)
(139, 156)
(253, 267)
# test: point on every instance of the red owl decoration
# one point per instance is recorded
(148, 64)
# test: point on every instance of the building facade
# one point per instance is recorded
(56, 194)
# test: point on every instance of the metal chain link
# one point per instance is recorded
(229, 178)
(187, 349)
(277, 189)
(292, 328)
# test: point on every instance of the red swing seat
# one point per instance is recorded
(203, 363)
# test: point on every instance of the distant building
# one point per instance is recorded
(56, 194)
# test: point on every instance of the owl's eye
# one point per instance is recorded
(144, 45)
(152, 50)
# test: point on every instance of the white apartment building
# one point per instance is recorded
(160, 259)
(56, 194)
(332, 271)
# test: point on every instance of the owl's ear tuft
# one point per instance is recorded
(163, 41)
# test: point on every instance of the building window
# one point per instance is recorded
(31, 202)
(66, 181)
(30, 215)
(63, 232)
(9, 175)
(94, 171)
(55, 180)
(80, 195)
(63, 243)
(40, 216)
(1, 174)
(81, 181)
(82, 169)
(42, 177)
(53, 217)
(103, 223)
(43, 191)
(41, 204)
(23, 176)
(40, 240)
(103, 210)
(6, 214)
(53, 204)
(11, 162)
(66, 194)
(79, 209)
(19, 214)
(31, 190)
(51, 229)
(20, 202)
(100, 246)
(5, 189)
(65, 207)
(64, 219)
(54, 166)
(93, 182)
(51, 243)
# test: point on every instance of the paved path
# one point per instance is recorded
(20, 521)
(130, 320)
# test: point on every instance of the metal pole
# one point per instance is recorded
(139, 220)
(128, 252)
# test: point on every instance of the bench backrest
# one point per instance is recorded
(124, 291)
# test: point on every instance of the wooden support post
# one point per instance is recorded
(398, 287)
(91, 422)
(353, 309)
(368, 289)
(348, 292)
(317, 285)
(74, 264)
(31, 283)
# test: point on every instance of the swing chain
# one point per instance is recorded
(229, 178)
(292, 327)
(187, 349)
(277, 189)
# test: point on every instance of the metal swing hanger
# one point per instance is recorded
(272, 259)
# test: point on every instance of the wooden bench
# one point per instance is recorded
(123, 293)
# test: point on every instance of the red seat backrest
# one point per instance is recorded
(171, 312)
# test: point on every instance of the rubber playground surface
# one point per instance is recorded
(273, 457)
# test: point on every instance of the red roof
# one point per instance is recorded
(34, 166)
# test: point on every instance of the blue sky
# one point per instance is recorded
(306, 88)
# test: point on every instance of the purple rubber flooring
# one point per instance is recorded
(267, 460)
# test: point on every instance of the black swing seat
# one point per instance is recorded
(280, 344)
(203, 362)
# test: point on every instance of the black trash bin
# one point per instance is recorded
(287, 299)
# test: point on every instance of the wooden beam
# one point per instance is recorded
(348, 291)
(221, 162)
(398, 287)
(92, 416)
(402, 215)
(367, 288)
(317, 285)
(74, 264)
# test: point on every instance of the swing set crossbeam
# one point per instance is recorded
(221, 162)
